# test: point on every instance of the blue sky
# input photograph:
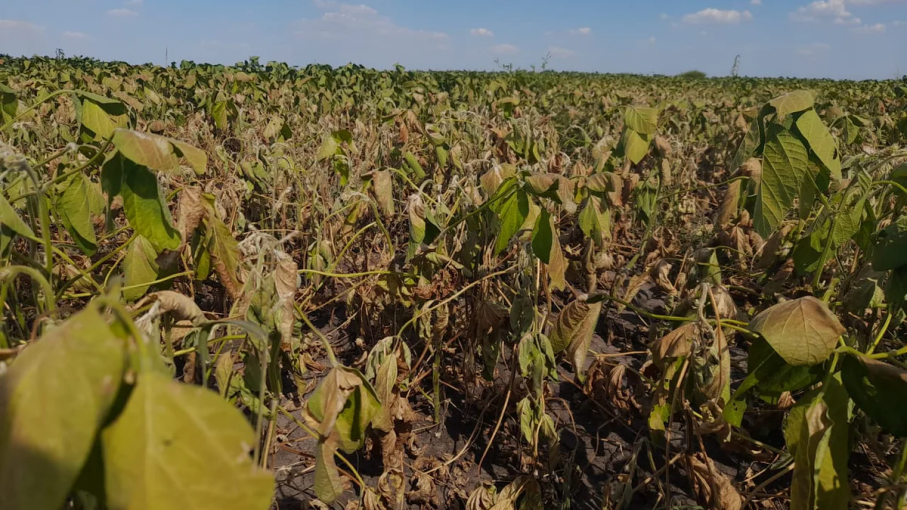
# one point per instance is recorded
(853, 39)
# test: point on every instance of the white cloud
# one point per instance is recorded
(755, 2)
(481, 32)
(134, 3)
(663, 17)
(581, 31)
(836, 11)
(652, 40)
(822, 10)
(349, 22)
(122, 13)
(878, 28)
(76, 35)
(504, 49)
(11, 24)
(717, 16)
(558, 52)
(898, 23)
(811, 50)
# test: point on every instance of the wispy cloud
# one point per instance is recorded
(558, 52)
(76, 35)
(755, 2)
(12, 24)
(878, 28)
(504, 49)
(481, 32)
(134, 3)
(713, 16)
(122, 13)
(581, 31)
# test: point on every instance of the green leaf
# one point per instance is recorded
(414, 167)
(74, 210)
(11, 220)
(890, 246)
(157, 152)
(219, 113)
(547, 248)
(103, 119)
(793, 102)
(139, 268)
(642, 120)
(817, 435)
(53, 400)
(802, 331)
(880, 390)
(181, 446)
(9, 105)
(543, 237)
(784, 165)
(595, 220)
(144, 205)
(328, 484)
(635, 145)
(512, 213)
(820, 141)
(329, 149)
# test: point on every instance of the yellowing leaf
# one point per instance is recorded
(102, 124)
(793, 102)
(820, 141)
(139, 268)
(642, 120)
(53, 400)
(181, 446)
(224, 249)
(574, 329)
(157, 152)
(636, 145)
(802, 331)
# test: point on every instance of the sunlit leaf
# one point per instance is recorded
(161, 452)
(802, 331)
(53, 400)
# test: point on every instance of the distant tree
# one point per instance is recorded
(693, 75)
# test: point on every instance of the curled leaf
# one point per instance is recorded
(574, 329)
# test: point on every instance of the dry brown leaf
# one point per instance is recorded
(180, 307)
(660, 272)
(720, 374)
(285, 279)
(727, 210)
(713, 488)
(191, 211)
(662, 146)
(675, 344)
(383, 183)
